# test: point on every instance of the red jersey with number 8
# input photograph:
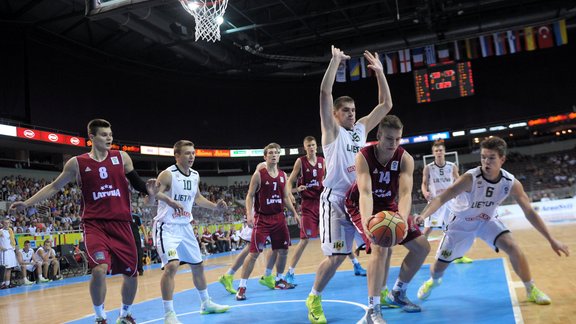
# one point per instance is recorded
(105, 191)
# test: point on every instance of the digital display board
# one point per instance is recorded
(443, 81)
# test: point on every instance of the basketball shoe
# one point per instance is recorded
(268, 281)
(426, 288)
(315, 311)
(373, 316)
(398, 298)
(463, 259)
(128, 319)
(282, 284)
(226, 280)
(538, 297)
(290, 278)
(358, 270)
(170, 318)
(100, 320)
(383, 302)
(210, 307)
(241, 294)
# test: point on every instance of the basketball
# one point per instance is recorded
(387, 228)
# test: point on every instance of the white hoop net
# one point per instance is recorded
(208, 15)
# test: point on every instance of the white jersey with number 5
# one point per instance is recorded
(183, 190)
(481, 202)
(339, 158)
(440, 177)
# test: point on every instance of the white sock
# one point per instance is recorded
(203, 295)
(168, 305)
(99, 311)
(373, 301)
(268, 272)
(291, 270)
(315, 292)
(355, 261)
(124, 310)
(529, 285)
(243, 283)
(231, 271)
(279, 276)
(400, 285)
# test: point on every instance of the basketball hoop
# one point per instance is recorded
(208, 15)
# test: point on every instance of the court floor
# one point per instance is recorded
(486, 291)
(473, 293)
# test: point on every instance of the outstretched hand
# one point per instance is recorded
(339, 54)
(374, 61)
(17, 206)
(221, 205)
(151, 187)
(558, 247)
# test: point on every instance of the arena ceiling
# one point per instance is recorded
(288, 38)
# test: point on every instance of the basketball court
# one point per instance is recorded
(485, 291)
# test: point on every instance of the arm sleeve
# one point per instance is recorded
(136, 182)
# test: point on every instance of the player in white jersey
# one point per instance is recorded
(477, 195)
(342, 138)
(437, 176)
(174, 236)
(27, 263)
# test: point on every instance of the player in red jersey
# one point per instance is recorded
(384, 172)
(308, 173)
(268, 195)
(101, 175)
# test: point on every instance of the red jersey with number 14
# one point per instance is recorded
(311, 176)
(384, 181)
(270, 197)
(105, 191)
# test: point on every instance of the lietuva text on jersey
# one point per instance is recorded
(178, 197)
(442, 180)
(481, 204)
(313, 183)
(353, 148)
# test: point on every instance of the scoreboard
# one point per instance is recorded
(443, 81)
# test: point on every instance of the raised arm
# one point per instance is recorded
(252, 189)
(532, 216)
(425, 179)
(463, 183)
(68, 174)
(364, 183)
(327, 123)
(406, 182)
(384, 97)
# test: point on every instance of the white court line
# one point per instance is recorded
(512, 285)
(365, 308)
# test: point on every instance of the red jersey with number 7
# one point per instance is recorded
(270, 197)
(105, 191)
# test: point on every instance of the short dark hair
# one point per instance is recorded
(180, 144)
(271, 146)
(309, 139)
(438, 142)
(390, 121)
(94, 124)
(495, 143)
(340, 101)
(26, 241)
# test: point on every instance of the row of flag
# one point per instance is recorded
(500, 43)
